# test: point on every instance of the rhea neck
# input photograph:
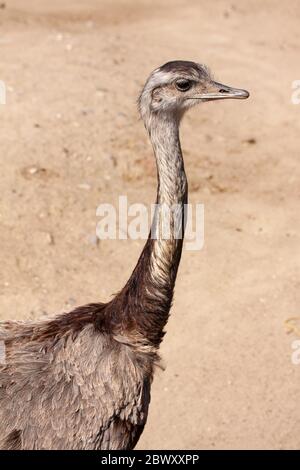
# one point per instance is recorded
(149, 292)
(163, 130)
(168, 225)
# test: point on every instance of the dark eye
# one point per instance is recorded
(183, 84)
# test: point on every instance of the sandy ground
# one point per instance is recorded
(71, 139)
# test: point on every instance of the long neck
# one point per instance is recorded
(168, 223)
(149, 292)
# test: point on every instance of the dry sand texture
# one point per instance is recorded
(71, 139)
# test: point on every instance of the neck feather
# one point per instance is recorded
(149, 292)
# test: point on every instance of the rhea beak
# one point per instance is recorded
(217, 91)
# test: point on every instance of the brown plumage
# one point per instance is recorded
(82, 380)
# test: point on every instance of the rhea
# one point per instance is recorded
(82, 380)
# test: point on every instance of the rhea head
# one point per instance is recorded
(177, 86)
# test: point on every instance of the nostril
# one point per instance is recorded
(222, 90)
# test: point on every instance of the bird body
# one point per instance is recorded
(82, 379)
(68, 386)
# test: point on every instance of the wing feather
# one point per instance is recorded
(67, 392)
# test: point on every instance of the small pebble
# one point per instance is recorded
(33, 170)
(93, 240)
(251, 141)
(50, 238)
(85, 186)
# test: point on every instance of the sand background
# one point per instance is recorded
(71, 139)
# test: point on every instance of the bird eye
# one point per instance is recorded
(183, 84)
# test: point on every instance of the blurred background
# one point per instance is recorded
(71, 139)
